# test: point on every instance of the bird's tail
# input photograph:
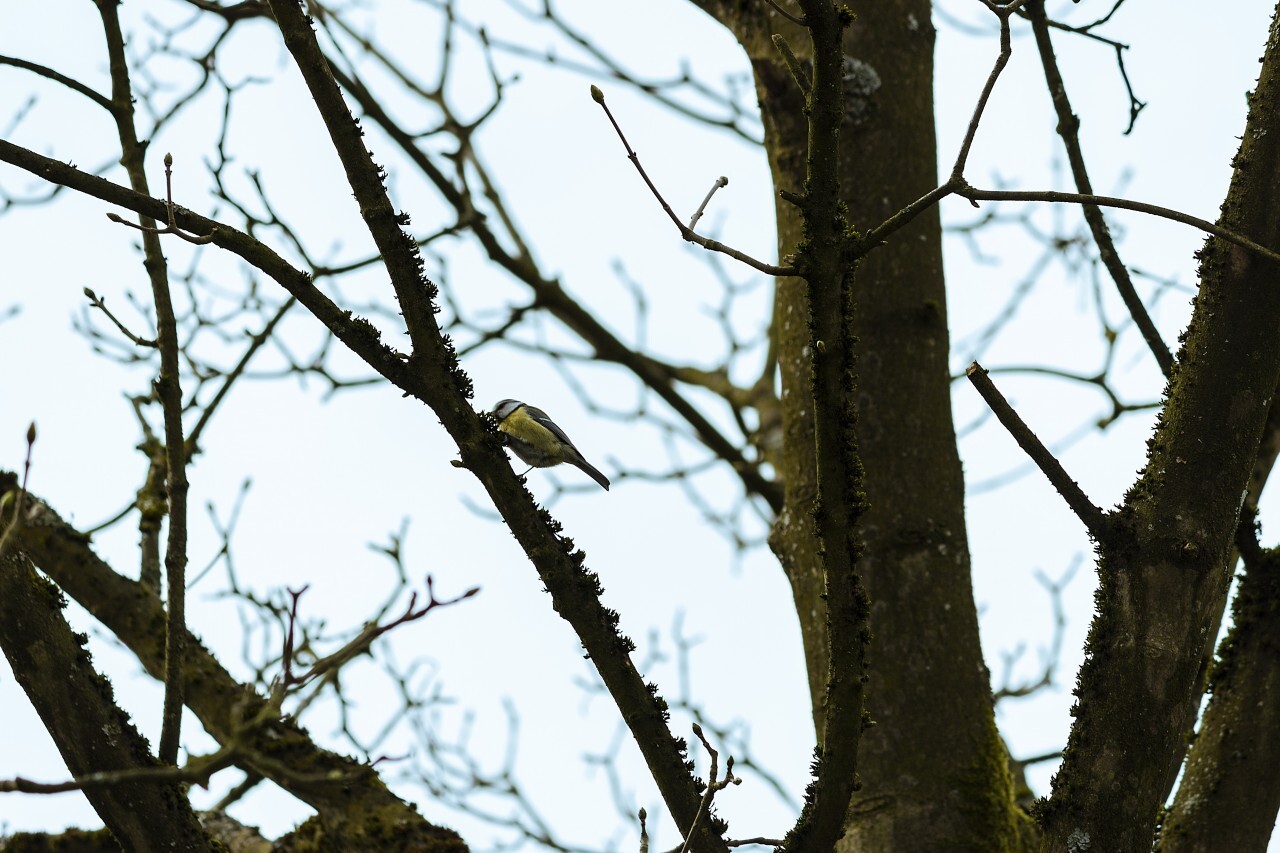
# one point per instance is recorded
(589, 469)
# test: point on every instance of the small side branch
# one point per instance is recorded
(1052, 196)
(197, 770)
(958, 186)
(1094, 519)
(685, 231)
(714, 784)
(101, 304)
(357, 646)
(793, 64)
(58, 77)
(799, 22)
(19, 501)
(721, 181)
(1006, 51)
(172, 226)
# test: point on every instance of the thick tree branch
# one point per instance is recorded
(279, 750)
(1163, 569)
(1230, 792)
(78, 710)
(438, 379)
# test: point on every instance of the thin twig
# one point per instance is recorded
(799, 22)
(1052, 655)
(793, 64)
(974, 194)
(193, 438)
(1136, 106)
(358, 645)
(172, 227)
(197, 770)
(721, 181)
(685, 231)
(168, 385)
(58, 77)
(1094, 519)
(713, 785)
(1006, 50)
(18, 503)
(101, 304)
(250, 781)
(876, 237)
(1039, 759)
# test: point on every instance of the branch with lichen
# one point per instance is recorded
(277, 749)
(841, 500)
(78, 709)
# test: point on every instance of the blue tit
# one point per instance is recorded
(537, 440)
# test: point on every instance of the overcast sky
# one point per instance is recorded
(331, 474)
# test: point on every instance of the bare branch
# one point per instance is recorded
(17, 499)
(685, 231)
(1068, 129)
(56, 76)
(1094, 519)
(101, 304)
(721, 181)
(789, 59)
(168, 386)
(198, 770)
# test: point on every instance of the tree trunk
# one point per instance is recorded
(933, 770)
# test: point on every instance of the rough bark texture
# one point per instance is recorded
(78, 710)
(1230, 792)
(1164, 572)
(353, 805)
(933, 769)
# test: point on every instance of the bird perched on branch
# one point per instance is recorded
(538, 441)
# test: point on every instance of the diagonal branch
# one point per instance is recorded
(58, 77)
(1094, 519)
(551, 296)
(686, 231)
(76, 705)
(281, 751)
(1069, 130)
(437, 378)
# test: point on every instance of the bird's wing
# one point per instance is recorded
(542, 418)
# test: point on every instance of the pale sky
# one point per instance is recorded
(331, 475)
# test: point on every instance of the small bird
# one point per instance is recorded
(537, 440)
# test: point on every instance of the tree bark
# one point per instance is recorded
(78, 710)
(933, 769)
(1164, 568)
(1230, 792)
(351, 801)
